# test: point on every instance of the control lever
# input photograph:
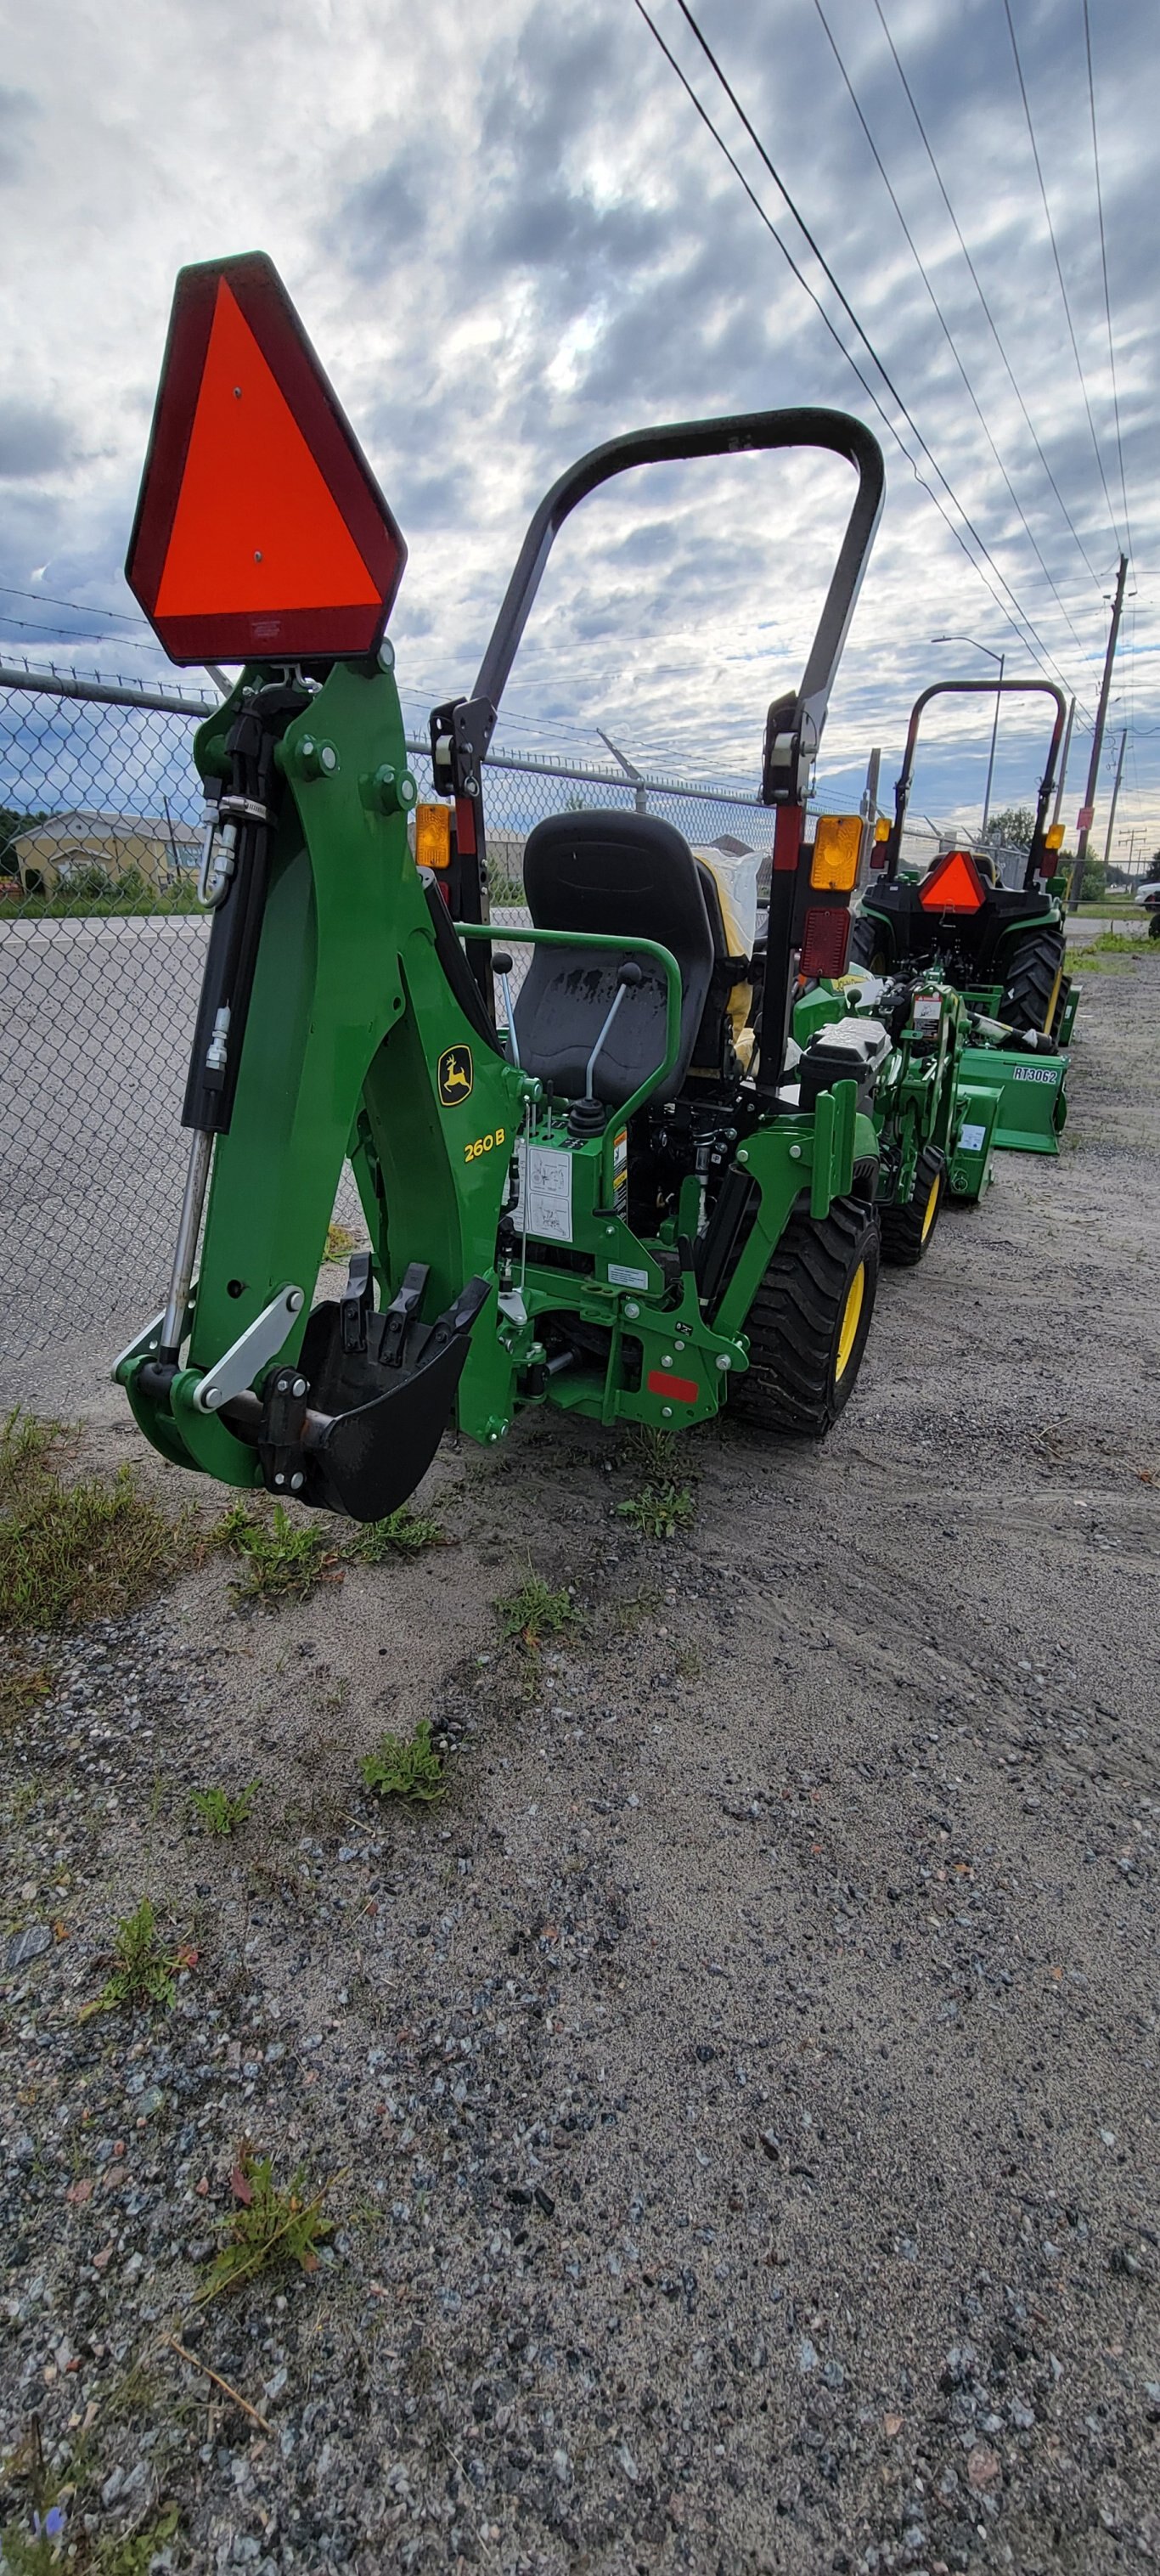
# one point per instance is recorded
(628, 978)
(501, 965)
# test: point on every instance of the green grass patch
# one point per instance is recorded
(27, 1443)
(281, 1561)
(1107, 955)
(217, 1813)
(656, 1450)
(407, 1767)
(340, 1243)
(661, 1511)
(133, 2554)
(403, 1533)
(141, 1970)
(72, 1550)
(269, 2228)
(131, 904)
(535, 1613)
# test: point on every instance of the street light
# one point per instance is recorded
(1000, 658)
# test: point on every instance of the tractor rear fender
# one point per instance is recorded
(802, 1162)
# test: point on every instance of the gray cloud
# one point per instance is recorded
(379, 217)
(34, 439)
(17, 111)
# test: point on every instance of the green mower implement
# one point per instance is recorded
(615, 1202)
(934, 1115)
(1002, 947)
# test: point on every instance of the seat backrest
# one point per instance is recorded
(633, 877)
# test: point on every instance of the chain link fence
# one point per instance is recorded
(102, 943)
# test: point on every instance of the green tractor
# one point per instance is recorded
(616, 1202)
(1002, 947)
(934, 1112)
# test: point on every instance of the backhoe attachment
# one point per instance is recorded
(603, 1205)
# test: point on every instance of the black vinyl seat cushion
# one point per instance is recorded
(633, 877)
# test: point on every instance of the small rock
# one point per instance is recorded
(29, 1944)
(984, 2468)
(807, 2357)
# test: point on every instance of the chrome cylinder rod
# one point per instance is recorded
(185, 1251)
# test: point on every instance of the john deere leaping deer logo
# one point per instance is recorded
(456, 1075)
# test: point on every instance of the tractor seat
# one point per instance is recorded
(630, 876)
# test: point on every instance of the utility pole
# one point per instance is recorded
(1063, 764)
(1098, 736)
(1115, 796)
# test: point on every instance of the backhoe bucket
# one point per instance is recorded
(354, 1427)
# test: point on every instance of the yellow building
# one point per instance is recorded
(56, 852)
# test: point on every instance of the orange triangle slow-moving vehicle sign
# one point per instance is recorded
(260, 530)
(953, 884)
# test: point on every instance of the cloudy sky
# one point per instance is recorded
(511, 236)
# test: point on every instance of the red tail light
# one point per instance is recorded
(825, 939)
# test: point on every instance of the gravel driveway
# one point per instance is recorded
(739, 2098)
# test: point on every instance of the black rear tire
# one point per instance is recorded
(1034, 980)
(907, 1232)
(808, 1323)
(868, 944)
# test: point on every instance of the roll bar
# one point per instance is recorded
(982, 689)
(463, 728)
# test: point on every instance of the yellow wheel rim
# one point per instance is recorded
(931, 1205)
(851, 1317)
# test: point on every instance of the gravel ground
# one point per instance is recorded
(740, 2094)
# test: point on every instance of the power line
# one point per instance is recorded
(978, 285)
(1058, 266)
(1087, 36)
(78, 635)
(956, 532)
(944, 325)
(84, 608)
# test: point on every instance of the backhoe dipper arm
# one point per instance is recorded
(979, 689)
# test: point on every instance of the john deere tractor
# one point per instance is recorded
(616, 1202)
(1001, 947)
(934, 1109)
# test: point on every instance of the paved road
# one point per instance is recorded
(96, 1021)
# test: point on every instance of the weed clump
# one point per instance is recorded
(281, 1563)
(142, 1970)
(218, 1813)
(661, 1511)
(71, 1552)
(268, 2227)
(535, 1612)
(340, 1242)
(403, 1533)
(407, 1767)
